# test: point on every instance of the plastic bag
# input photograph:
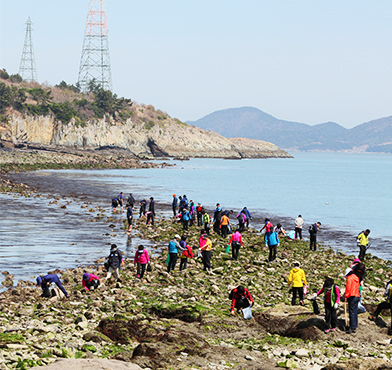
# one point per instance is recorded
(227, 250)
(149, 268)
(247, 313)
(305, 289)
(316, 309)
(168, 260)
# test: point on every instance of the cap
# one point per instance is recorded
(357, 260)
(113, 247)
(177, 236)
(86, 276)
(174, 195)
(39, 280)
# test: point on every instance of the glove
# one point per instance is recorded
(335, 306)
(278, 244)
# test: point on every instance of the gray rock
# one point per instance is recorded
(302, 352)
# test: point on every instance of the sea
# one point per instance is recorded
(346, 192)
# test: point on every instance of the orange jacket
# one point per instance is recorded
(352, 286)
(224, 221)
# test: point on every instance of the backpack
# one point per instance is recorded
(311, 229)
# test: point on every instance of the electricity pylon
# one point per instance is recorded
(95, 60)
(27, 68)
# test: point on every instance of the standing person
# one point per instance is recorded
(129, 218)
(206, 253)
(120, 198)
(267, 226)
(331, 302)
(131, 200)
(248, 216)
(141, 260)
(90, 281)
(199, 214)
(362, 243)
(187, 253)
(313, 229)
(181, 205)
(174, 205)
(45, 281)
(143, 205)
(299, 223)
(240, 298)
(224, 225)
(272, 242)
(185, 201)
(192, 211)
(206, 222)
(386, 304)
(297, 279)
(217, 218)
(174, 248)
(185, 217)
(351, 295)
(151, 208)
(115, 261)
(236, 244)
(241, 217)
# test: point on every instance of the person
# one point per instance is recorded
(174, 205)
(143, 205)
(115, 261)
(129, 218)
(206, 253)
(174, 247)
(199, 214)
(241, 217)
(299, 222)
(362, 243)
(186, 253)
(297, 279)
(151, 208)
(131, 200)
(181, 206)
(45, 281)
(361, 308)
(114, 204)
(313, 229)
(387, 304)
(120, 198)
(240, 298)
(206, 222)
(331, 302)
(192, 212)
(217, 218)
(236, 244)
(272, 242)
(185, 217)
(184, 202)
(248, 216)
(267, 226)
(224, 225)
(90, 281)
(351, 295)
(279, 230)
(141, 260)
(150, 218)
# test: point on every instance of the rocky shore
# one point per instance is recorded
(182, 320)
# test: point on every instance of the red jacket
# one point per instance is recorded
(187, 252)
(236, 296)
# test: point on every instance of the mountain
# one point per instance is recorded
(253, 123)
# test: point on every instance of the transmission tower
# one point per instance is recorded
(95, 60)
(27, 68)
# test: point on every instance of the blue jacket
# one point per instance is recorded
(247, 213)
(185, 216)
(174, 246)
(175, 202)
(53, 278)
(271, 238)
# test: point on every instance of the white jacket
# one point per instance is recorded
(299, 222)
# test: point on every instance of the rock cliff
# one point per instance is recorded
(168, 137)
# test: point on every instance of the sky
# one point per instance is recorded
(308, 61)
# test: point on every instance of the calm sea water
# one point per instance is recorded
(345, 192)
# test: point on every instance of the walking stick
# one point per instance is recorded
(345, 314)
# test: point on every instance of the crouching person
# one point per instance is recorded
(45, 282)
(90, 281)
(240, 298)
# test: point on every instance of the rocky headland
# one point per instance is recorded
(181, 320)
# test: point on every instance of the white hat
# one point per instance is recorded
(177, 236)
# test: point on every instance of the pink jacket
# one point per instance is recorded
(92, 277)
(142, 257)
(236, 237)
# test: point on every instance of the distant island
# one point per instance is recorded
(249, 122)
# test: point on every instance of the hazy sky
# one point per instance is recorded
(309, 61)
